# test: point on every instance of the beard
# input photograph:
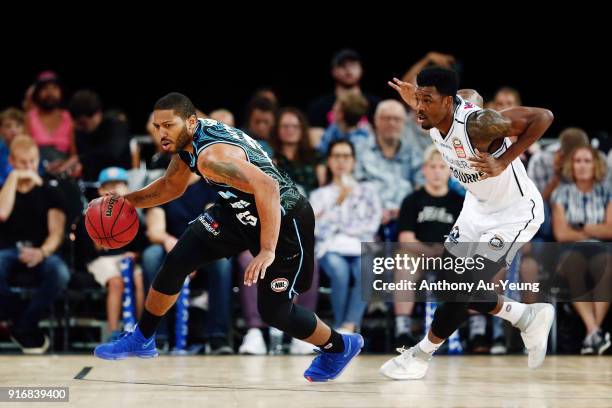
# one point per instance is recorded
(426, 126)
(183, 139)
(48, 104)
(348, 84)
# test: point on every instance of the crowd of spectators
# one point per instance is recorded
(369, 170)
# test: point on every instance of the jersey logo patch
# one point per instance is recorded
(210, 224)
(454, 235)
(458, 146)
(468, 105)
(279, 285)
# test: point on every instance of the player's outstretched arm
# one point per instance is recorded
(166, 188)
(227, 164)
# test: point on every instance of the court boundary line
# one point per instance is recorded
(222, 387)
(81, 374)
(241, 388)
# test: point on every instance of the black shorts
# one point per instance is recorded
(222, 235)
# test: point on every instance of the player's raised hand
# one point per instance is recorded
(257, 267)
(406, 90)
(443, 60)
(487, 164)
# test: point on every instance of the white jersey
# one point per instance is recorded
(492, 193)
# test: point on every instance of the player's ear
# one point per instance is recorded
(448, 100)
(191, 123)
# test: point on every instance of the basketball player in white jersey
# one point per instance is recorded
(502, 209)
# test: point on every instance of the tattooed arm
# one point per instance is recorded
(228, 164)
(487, 126)
(528, 124)
(166, 188)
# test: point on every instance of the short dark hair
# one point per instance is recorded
(444, 80)
(343, 56)
(329, 177)
(261, 103)
(340, 141)
(179, 103)
(84, 103)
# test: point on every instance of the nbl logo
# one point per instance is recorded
(496, 242)
(279, 285)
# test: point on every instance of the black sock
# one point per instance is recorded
(148, 323)
(335, 344)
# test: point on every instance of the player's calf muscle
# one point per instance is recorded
(158, 303)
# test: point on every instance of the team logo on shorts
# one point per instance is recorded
(454, 235)
(209, 223)
(458, 146)
(279, 284)
(496, 242)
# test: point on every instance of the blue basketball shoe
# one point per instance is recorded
(129, 344)
(328, 366)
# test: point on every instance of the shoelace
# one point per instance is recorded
(403, 355)
(122, 336)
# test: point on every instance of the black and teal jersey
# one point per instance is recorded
(209, 132)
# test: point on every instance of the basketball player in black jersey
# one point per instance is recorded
(259, 209)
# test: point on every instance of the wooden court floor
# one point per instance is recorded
(251, 381)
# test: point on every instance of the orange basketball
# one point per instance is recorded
(111, 221)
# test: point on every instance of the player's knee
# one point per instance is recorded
(169, 280)
(275, 315)
(292, 319)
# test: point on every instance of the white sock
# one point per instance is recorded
(511, 311)
(593, 332)
(427, 346)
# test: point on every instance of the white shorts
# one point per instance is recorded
(104, 268)
(495, 235)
